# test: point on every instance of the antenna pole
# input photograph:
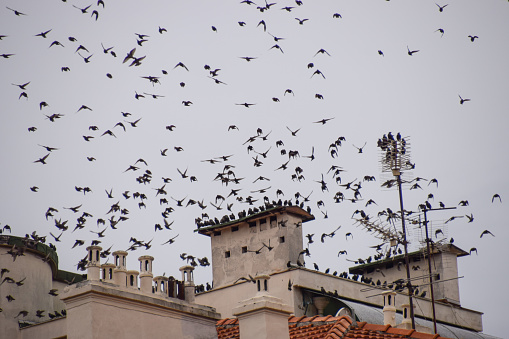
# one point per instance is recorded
(407, 263)
(428, 249)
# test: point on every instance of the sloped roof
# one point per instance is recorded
(328, 327)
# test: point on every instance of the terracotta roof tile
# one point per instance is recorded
(400, 331)
(420, 335)
(328, 327)
(373, 327)
(322, 318)
(294, 319)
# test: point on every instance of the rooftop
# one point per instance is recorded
(359, 269)
(328, 327)
(253, 215)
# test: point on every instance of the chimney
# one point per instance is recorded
(263, 316)
(407, 321)
(320, 303)
(107, 269)
(146, 273)
(120, 272)
(94, 263)
(132, 279)
(389, 309)
(188, 280)
(161, 285)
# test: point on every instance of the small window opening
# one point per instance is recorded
(227, 254)
(263, 224)
(281, 240)
(235, 228)
(217, 233)
(244, 249)
(252, 224)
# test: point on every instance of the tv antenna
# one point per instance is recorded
(395, 157)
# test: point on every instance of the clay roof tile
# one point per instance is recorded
(400, 331)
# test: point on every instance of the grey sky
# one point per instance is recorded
(368, 95)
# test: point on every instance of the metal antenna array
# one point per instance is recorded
(395, 157)
(380, 231)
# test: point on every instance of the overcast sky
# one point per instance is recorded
(364, 93)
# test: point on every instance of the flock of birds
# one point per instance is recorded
(268, 166)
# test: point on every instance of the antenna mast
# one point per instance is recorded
(395, 158)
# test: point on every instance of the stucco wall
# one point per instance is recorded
(226, 270)
(55, 328)
(31, 296)
(95, 310)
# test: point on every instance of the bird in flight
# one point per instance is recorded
(360, 148)
(43, 34)
(247, 58)
(294, 133)
(485, 232)
(171, 241)
(462, 101)
(245, 104)
(42, 160)
(411, 52)
(318, 72)
(83, 10)
(23, 86)
(180, 64)
(301, 22)
(441, 8)
(129, 55)
(322, 51)
(323, 121)
(472, 38)
(15, 11)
